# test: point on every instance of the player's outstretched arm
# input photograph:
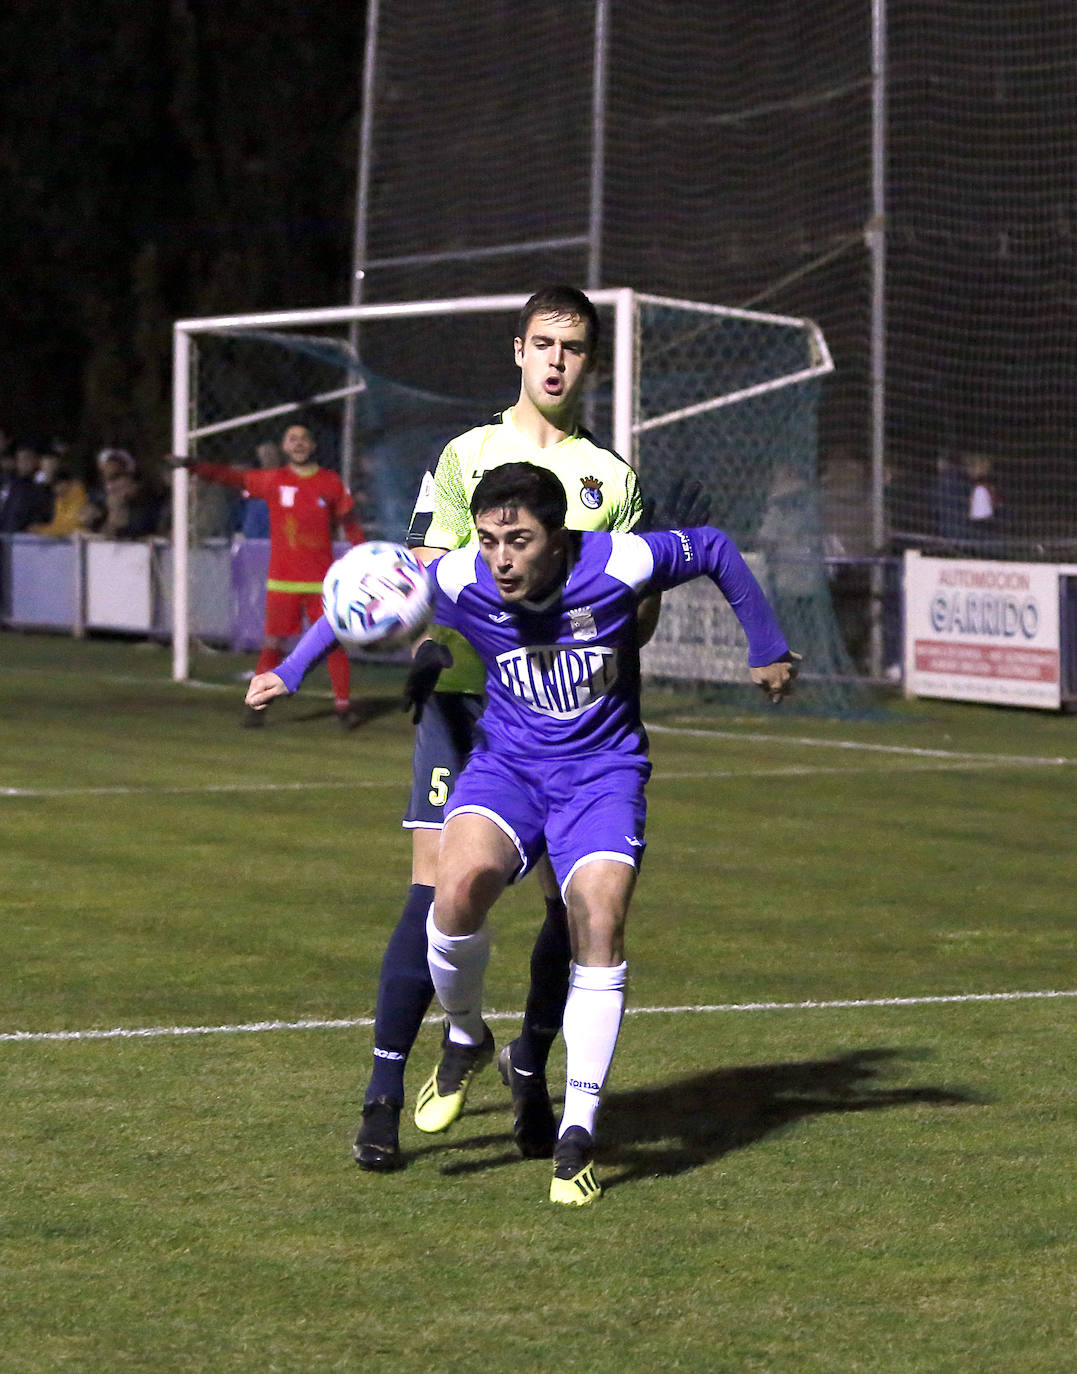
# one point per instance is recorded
(227, 476)
(426, 553)
(262, 688)
(777, 678)
(315, 642)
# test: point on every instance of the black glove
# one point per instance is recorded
(426, 667)
(685, 506)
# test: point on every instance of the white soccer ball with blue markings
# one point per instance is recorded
(376, 593)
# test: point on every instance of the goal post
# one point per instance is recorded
(724, 396)
(729, 398)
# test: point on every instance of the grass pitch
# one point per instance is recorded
(839, 1128)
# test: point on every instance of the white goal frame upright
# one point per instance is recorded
(625, 421)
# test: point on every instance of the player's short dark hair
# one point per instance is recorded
(513, 485)
(560, 300)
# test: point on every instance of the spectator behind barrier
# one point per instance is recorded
(131, 510)
(27, 501)
(69, 500)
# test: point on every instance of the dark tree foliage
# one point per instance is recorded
(159, 160)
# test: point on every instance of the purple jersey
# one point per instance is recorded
(562, 678)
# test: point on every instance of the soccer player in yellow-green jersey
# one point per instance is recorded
(602, 491)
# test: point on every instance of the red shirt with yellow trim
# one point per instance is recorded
(304, 510)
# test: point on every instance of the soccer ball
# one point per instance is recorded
(377, 592)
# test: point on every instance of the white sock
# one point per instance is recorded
(458, 968)
(596, 1001)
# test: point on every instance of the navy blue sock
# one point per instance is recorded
(550, 960)
(404, 995)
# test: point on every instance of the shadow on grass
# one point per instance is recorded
(367, 709)
(667, 1130)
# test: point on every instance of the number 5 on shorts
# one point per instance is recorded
(439, 791)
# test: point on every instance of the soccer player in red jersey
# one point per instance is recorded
(306, 503)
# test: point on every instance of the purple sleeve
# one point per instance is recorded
(681, 555)
(311, 649)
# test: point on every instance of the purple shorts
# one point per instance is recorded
(577, 810)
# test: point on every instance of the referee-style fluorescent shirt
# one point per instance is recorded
(602, 491)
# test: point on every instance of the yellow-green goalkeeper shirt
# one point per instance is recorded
(602, 491)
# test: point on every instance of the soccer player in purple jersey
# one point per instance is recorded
(555, 349)
(560, 763)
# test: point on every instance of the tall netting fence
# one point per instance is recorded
(982, 268)
(731, 165)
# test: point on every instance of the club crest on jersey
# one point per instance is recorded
(591, 492)
(582, 621)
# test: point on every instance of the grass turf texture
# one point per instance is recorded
(864, 1188)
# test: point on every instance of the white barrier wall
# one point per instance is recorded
(100, 584)
(119, 594)
(41, 578)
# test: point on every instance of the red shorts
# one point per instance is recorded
(285, 610)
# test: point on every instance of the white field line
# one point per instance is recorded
(793, 770)
(918, 760)
(787, 771)
(909, 751)
(236, 688)
(198, 790)
(358, 1022)
(752, 736)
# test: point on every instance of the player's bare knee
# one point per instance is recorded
(464, 895)
(599, 949)
(451, 920)
(597, 931)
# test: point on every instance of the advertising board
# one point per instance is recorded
(982, 631)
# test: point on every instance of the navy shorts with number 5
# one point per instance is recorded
(443, 742)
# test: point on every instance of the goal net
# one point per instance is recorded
(721, 396)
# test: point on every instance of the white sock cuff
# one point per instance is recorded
(599, 979)
(458, 948)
